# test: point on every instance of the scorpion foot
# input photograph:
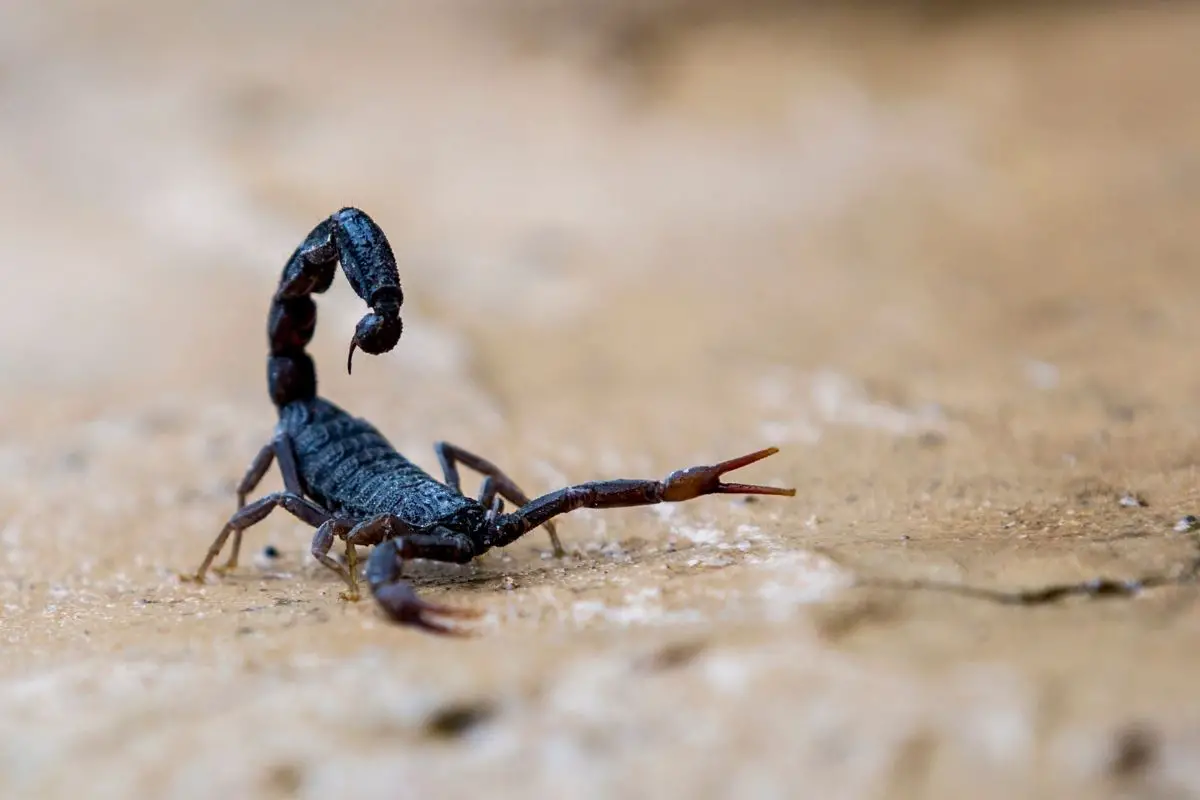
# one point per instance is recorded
(401, 603)
(350, 596)
(555, 543)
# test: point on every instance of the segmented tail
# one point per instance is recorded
(353, 239)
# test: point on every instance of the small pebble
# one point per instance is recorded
(1186, 524)
(673, 655)
(458, 718)
(1135, 750)
(270, 551)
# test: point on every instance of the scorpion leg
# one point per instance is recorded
(449, 455)
(323, 541)
(372, 531)
(397, 597)
(684, 484)
(302, 508)
(279, 448)
(487, 491)
(489, 499)
(255, 473)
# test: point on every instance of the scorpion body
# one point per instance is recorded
(345, 479)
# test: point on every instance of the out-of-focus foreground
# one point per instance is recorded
(948, 263)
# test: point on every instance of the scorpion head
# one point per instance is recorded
(376, 333)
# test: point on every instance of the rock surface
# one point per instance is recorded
(949, 265)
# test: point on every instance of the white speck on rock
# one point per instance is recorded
(838, 400)
(700, 535)
(727, 673)
(1041, 374)
(809, 579)
(665, 511)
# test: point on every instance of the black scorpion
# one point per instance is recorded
(342, 476)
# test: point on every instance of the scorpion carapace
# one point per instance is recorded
(342, 476)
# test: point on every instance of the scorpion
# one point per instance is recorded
(342, 477)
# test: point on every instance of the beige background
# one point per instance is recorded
(948, 262)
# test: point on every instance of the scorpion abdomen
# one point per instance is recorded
(350, 468)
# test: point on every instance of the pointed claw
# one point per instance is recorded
(696, 481)
(743, 461)
(420, 619)
(429, 626)
(454, 612)
(402, 605)
(350, 357)
(751, 488)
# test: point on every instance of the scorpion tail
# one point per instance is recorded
(353, 239)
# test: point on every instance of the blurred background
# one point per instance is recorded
(944, 254)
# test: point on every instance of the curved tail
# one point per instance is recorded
(353, 239)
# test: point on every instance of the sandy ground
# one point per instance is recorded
(949, 265)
